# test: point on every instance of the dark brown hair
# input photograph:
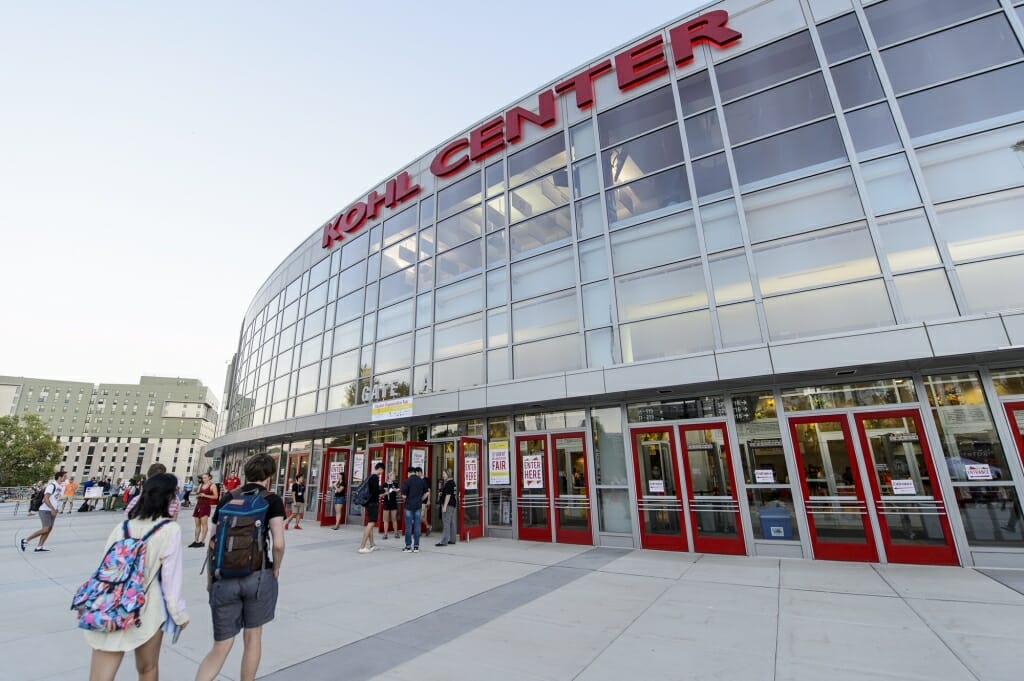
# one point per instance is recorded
(259, 467)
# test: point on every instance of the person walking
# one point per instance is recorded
(164, 608)
(448, 505)
(47, 512)
(371, 509)
(187, 492)
(339, 500)
(298, 503)
(246, 604)
(412, 490)
(68, 495)
(207, 496)
(391, 505)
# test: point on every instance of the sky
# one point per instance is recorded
(159, 160)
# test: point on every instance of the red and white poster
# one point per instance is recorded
(533, 471)
(337, 470)
(471, 470)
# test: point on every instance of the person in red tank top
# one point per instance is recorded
(206, 497)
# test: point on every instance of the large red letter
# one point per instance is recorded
(404, 189)
(487, 140)
(641, 63)
(332, 232)
(443, 166)
(354, 218)
(545, 117)
(707, 28)
(583, 84)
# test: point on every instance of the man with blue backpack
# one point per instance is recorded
(244, 561)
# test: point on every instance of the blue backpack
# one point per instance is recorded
(239, 544)
(112, 599)
(362, 493)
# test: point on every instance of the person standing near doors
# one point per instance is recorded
(371, 509)
(448, 505)
(339, 500)
(412, 490)
(390, 506)
(298, 502)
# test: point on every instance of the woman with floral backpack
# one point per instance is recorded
(157, 585)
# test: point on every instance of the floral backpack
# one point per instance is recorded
(112, 599)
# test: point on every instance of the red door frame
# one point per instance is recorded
(901, 553)
(382, 451)
(659, 541)
(326, 511)
(533, 533)
(1018, 437)
(703, 544)
(465, 494)
(406, 463)
(866, 552)
(570, 536)
(289, 471)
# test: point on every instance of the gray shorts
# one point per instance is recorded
(244, 603)
(46, 518)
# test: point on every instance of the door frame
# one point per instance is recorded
(406, 463)
(464, 496)
(383, 448)
(735, 546)
(533, 533)
(325, 513)
(663, 542)
(290, 471)
(571, 536)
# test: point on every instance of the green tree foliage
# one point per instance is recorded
(28, 451)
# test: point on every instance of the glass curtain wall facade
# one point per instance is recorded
(844, 168)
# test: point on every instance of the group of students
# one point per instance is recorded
(414, 492)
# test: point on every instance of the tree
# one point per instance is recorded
(28, 451)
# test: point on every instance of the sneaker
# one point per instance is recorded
(441, 543)
(286, 527)
(40, 549)
(298, 527)
(23, 543)
(415, 549)
(373, 548)
(406, 550)
(365, 550)
(451, 542)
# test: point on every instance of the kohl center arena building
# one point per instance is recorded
(752, 283)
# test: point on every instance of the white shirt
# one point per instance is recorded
(56, 491)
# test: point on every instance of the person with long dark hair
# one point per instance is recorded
(165, 602)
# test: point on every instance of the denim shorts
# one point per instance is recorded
(244, 603)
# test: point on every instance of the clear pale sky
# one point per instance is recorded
(158, 160)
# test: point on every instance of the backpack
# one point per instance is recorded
(361, 497)
(239, 544)
(112, 599)
(36, 502)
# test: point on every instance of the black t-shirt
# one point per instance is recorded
(298, 493)
(426, 493)
(449, 488)
(339, 488)
(275, 510)
(373, 487)
(413, 489)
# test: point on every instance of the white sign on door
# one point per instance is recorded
(656, 486)
(903, 487)
(978, 471)
(764, 476)
(533, 471)
(358, 465)
(471, 468)
(419, 458)
(337, 470)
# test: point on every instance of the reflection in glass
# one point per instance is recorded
(890, 185)
(581, 137)
(833, 505)
(539, 196)
(842, 38)
(497, 365)
(703, 134)
(584, 178)
(873, 130)
(589, 218)
(992, 285)
(459, 228)
(721, 226)
(730, 276)
(766, 66)
(397, 286)
(738, 325)
(695, 93)
(399, 256)
(864, 305)
(892, 22)
(554, 355)
(459, 299)
(783, 107)
(803, 151)
(636, 116)
(463, 194)
(815, 259)
(400, 226)
(548, 316)
(536, 160)
(543, 230)
(906, 241)
(667, 336)
(593, 260)
(983, 226)
(711, 177)
(661, 291)
(395, 319)
(543, 274)
(654, 243)
(857, 82)
(459, 261)
(647, 196)
(819, 201)
(659, 502)
(642, 156)
(497, 248)
(925, 296)
(597, 305)
(974, 165)
(609, 447)
(600, 348)
(461, 372)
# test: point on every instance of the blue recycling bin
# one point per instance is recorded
(776, 523)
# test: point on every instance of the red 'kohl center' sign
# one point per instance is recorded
(635, 66)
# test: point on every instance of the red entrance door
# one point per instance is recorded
(572, 496)
(533, 486)
(417, 454)
(911, 512)
(659, 501)
(471, 498)
(298, 471)
(392, 455)
(334, 467)
(714, 509)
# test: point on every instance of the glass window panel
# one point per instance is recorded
(783, 107)
(654, 243)
(597, 305)
(738, 325)
(548, 316)
(890, 185)
(497, 249)
(369, 327)
(375, 235)
(582, 139)
(427, 211)
(703, 133)
(458, 373)
(906, 241)
(873, 130)
(609, 449)
(589, 221)
(353, 277)
(818, 201)
(459, 229)
(711, 177)
(314, 324)
(463, 194)
(425, 275)
(798, 152)
(649, 195)
(730, 276)
(993, 285)
(842, 38)
(892, 22)
(863, 305)
(494, 178)
(497, 288)
(459, 299)
(345, 367)
(422, 346)
(593, 260)
(661, 291)
(291, 294)
(393, 354)
(347, 336)
(974, 165)
(695, 93)
(421, 379)
(496, 216)
(983, 226)
(497, 365)
(857, 82)
(316, 298)
(355, 250)
(542, 274)
(308, 378)
(497, 328)
(424, 309)
(721, 225)
(613, 511)
(536, 160)
(681, 334)
(600, 348)
(927, 61)
(399, 256)
(584, 178)
(399, 226)
(395, 319)
(459, 261)
(635, 117)
(397, 286)
(815, 259)
(373, 268)
(318, 273)
(973, 102)
(543, 230)
(458, 337)
(925, 296)
(766, 66)
(554, 355)
(1010, 383)
(426, 237)
(539, 196)
(310, 351)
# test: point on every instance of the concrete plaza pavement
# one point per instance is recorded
(498, 609)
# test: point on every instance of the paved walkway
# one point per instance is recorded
(496, 610)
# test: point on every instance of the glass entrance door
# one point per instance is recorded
(471, 498)
(572, 496)
(392, 455)
(833, 491)
(298, 470)
(334, 468)
(417, 455)
(659, 501)
(533, 488)
(714, 509)
(910, 508)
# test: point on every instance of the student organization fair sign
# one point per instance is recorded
(498, 471)
(533, 471)
(398, 408)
